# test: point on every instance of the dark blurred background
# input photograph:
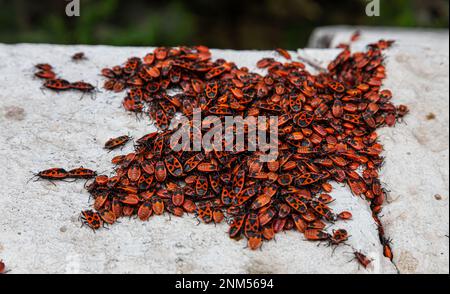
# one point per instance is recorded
(237, 24)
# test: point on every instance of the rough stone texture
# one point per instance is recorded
(417, 152)
(39, 227)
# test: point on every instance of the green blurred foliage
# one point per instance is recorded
(238, 24)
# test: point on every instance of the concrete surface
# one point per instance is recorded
(39, 227)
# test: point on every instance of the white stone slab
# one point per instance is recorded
(39, 227)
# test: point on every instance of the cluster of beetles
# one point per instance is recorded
(327, 123)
